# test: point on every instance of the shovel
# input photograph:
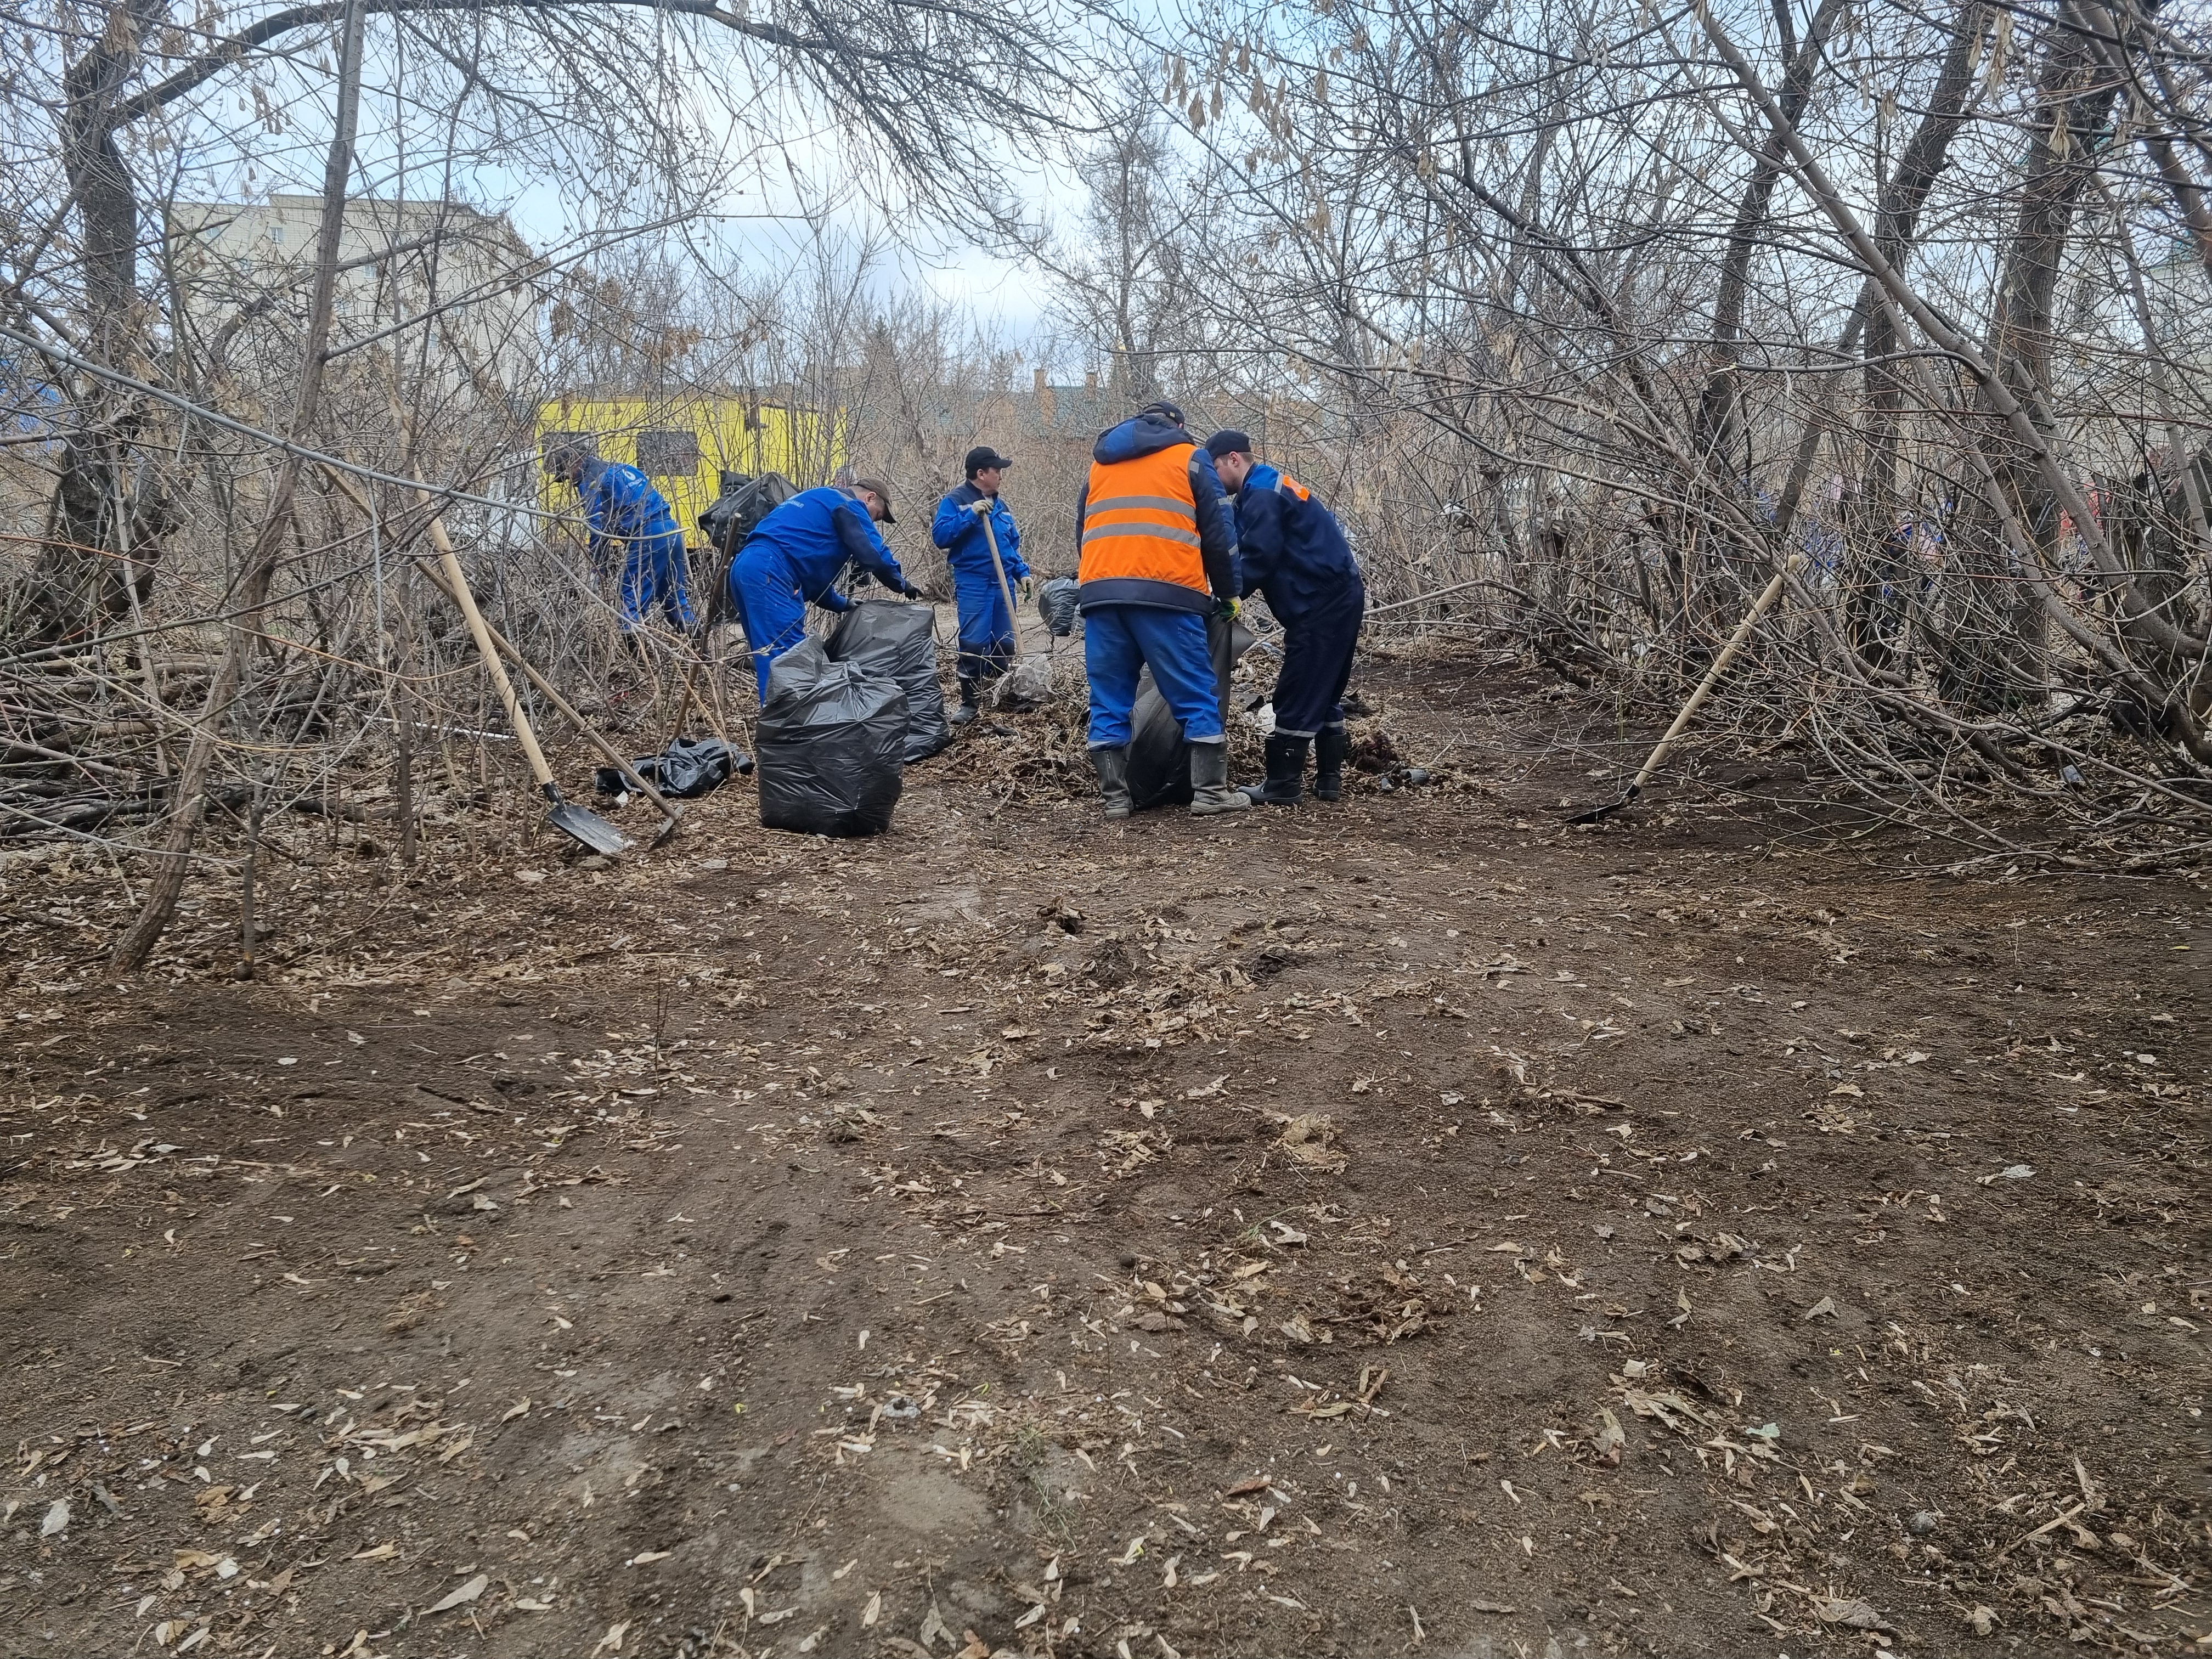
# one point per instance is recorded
(1761, 607)
(983, 511)
(576, 823)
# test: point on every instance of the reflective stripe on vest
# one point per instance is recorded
(1140, 521)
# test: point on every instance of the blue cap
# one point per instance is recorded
(1228, 441)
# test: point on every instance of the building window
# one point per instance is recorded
(668, 454)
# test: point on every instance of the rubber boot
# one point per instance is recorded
(1329, 749)
(1286, 764)
(1112, 766)
(971, 694)
(1209, 781)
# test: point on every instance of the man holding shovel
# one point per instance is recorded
(983, 549)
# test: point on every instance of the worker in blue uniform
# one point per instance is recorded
(631, 530)
(987, 626)
(1294, 555)
(797, 555)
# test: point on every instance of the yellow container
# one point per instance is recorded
(686, 445)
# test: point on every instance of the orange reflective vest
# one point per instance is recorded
(1141, 540)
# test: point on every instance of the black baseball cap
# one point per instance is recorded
(1162, 406)
(982, 457)
(1228, 441)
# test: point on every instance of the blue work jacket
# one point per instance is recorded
(621, 506)
(817, 534)
(1291, 548)
(960, 533)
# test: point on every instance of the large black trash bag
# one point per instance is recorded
(1057, 603)
(744, 502)
(687, 768)
(831, 738)
(899, 641)
(1159, 760)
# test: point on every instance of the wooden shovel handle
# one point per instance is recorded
(1761, 607)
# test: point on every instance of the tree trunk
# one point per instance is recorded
(1995, 660)
(1876, 600)
(1720, 417)
(189, 802)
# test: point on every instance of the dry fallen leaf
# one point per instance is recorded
(612, 1640)
(1826, 1307)
(1611, 1439)
(462, 1596)
(1306, 1138)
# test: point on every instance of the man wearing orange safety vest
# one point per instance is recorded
(1158, 558)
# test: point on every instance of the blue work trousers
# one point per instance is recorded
(987, 632)
(654, 572)
(1120, 641)
(770, 608)
(1318, 664)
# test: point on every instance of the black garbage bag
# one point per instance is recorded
(1056, 603)
(899, 641)
(744, 502)
(832, 737)
(1159, 760)
(687, 768)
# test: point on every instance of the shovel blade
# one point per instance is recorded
(580, 824)
(1598, 814)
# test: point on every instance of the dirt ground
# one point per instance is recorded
(1403, 1226)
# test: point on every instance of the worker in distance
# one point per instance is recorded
(1158, 557)
(1294, 555)
(982, 546)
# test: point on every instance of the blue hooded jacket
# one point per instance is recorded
(620, 504)
(956, 530)
(816, 534)
(1148, 434)
(1292, 547)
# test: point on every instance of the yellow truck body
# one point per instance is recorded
(686, 445)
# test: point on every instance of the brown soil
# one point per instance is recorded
(1406, 1225)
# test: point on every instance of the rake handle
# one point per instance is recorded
(1760, 607)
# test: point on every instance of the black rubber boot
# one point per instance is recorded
(1112, 766)
(971, 694)
(1329, 749)
(1286, 764)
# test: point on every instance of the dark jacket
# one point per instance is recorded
(1291, 546)
(1148, 434)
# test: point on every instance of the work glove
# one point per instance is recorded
(982, 505)
(1226, 610)
(1026, 588)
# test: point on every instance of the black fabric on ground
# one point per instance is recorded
(899, 641)
(687, 768)
(1159, 760)
(832, 738)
